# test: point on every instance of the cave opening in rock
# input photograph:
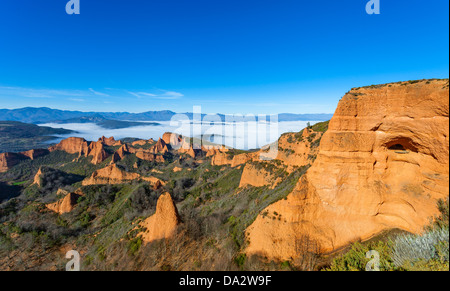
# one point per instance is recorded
(397, 147)
(403, 145)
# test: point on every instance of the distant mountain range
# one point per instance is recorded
(47, 115)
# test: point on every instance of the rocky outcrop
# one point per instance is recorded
(108, 141)
(114, 175)
(139, 143)
(98, 152)
(222, 159)
(163, 224)
(65, 204)
(72, 145)
(38, 177)
(190, 152)
(298, 149)
(120, 154)
(382, 164)
(148, 155)
(76, 145)
(34, 154)
(259, 175)
(9, 160)
(160, 147)
(172, 139)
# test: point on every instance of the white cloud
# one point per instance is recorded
(166, 95)
(77, 99)
(98, 93)
(38, 93)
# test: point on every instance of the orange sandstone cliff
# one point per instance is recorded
(72, 145)
(112, 174)
(382, 164)
(164, 222)
(9, 160)
(65, 204)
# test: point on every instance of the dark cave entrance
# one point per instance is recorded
(397, 147)
(401, 145)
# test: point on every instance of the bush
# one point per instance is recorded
(355, 259)
(410, 249)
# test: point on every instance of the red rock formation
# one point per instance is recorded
(190, 152)
(148, 155)
(296, 150)
(65, 204)
(108, 141)
(382, 164)
(76, 145)
(9, 160)
(160, 147)
(120, 154)
(172, 139)
(72, 145)
(222, 159)
(258, 177)
(118, 143)
(114, 175)
(33, 154)
(37, 177)
(98, 153)
(139, 143)
(163, 224)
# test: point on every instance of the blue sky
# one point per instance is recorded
(246, 56)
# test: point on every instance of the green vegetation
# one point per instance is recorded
(19, 137)
(105, 223)
(405, 252)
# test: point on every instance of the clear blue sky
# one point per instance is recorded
(246, 56)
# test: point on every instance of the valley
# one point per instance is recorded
(376, 171)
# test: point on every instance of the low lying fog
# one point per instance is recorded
(241, 135)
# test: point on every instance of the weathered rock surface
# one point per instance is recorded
(9, 160)
(148, 155)
(37, 177)
(108, 141)
(114, 175)
(72, 145)
(98, 152)
(382, 164)
(298, 149)
(76, 145)
(222, 159)
(163, 224)
(65, 204)
(258, 176)
(160, 147)
(34, 154)
(120, 153)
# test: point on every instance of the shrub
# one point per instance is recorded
(355, 259)
(240, 260)
(410, 249)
